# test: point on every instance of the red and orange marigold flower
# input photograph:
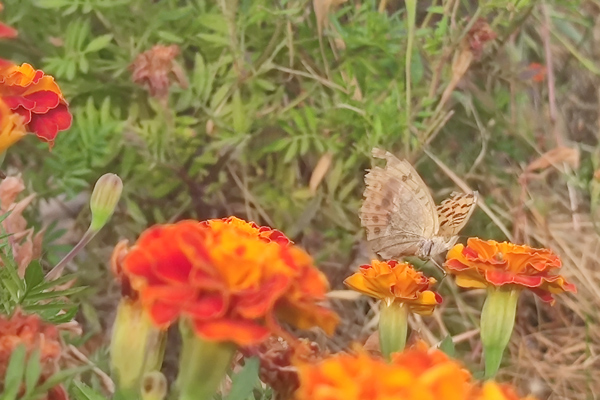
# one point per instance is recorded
(391, 281)
(229, 279)
(413, 374)
(36, 98)
(490, 263)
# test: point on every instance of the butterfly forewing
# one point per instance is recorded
(454, 212)
(398, 211)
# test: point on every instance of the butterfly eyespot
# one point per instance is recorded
(378, 207)
(386, 202)
(404, 178)
(375, 218)
(377, 230)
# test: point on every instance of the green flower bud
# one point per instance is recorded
(105, 197)
(393, 327)
(496, 324)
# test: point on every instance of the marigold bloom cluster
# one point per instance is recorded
(392, 281)
(36, 98)
(228, 278)
(484, 263)
(414, 374)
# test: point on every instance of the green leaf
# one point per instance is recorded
(447, 346)
(33, 371)
(239, 114)
(52, 3)
(34, 275)
(81, 391)
(14, 373)
(98, 43)
(59, 378)
(243, 382)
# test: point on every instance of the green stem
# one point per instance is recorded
(411, 16)
(56, 272)
(203, 364)
(393, 327)
(497, 323)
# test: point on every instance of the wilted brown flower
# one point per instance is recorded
(276, 362)
(33, 333)
(152, 69)
(479, 34)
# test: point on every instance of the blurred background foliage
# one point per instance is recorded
(277, 105)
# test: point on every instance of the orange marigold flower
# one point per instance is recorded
(484, 263)
(264, 232)
(391, 281)
(229, 282)
(411, 375)
(5, 30)
(35, 97)
(494, 391)
(30, 331)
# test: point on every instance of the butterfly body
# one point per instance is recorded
(400, 216)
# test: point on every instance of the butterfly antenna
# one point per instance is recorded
(439, 267)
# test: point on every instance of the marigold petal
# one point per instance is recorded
(46, 126)
(43, 100)
(206, 306)
(241, 332)
(7, 32)
(163, 314)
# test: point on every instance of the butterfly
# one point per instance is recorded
(400, 216)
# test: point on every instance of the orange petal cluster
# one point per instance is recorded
(30, 331)
(35, 98)
(5, 30)
(417, 373)
(392, 281)
(491, 390)
(484, 263)
(229, 281)
(263, 232)
(411, 375)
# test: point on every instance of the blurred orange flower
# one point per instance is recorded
(413, 374)
(5, 30)
(484, 263)
(229, 282)
(391, 281)
(264, 232)
(34, 334)
(494, 391)
(36, 98)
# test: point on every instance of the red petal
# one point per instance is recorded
(499, 277)
(46, 126)
(7, 32)
(255, 304)
(456, 265)
(206, 307)
(242, 332)
(163, 314)
(44, 101)
(14, 102)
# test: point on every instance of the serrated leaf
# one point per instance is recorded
(32, 372)
(243, 382)
(34, 275)
(98, 43)
(14, 373)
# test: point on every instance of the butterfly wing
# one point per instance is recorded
(454, 212)
(398, 210)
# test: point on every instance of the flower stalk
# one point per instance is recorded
(393, 327)
(202, 365)
(497, 323)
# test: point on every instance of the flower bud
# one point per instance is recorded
(137, 347)
(154, 386)
(105, 197)
(497, 323)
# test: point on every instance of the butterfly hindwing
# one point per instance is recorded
(454, 212)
